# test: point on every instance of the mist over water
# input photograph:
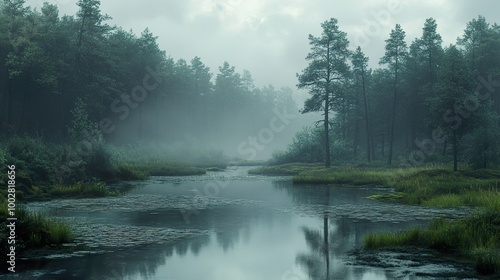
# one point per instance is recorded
(251, 227)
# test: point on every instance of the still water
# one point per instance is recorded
(230, 225)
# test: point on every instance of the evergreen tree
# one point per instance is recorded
(325, 73)
(395, 53)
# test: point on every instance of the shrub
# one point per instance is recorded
(33, 157)
(306, 146)
(98, 163)
(3, 156)
(482, 145)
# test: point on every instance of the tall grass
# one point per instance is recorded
(80, 189)
(162, 168)
(34, 230)
(185, 153)
(476, 236)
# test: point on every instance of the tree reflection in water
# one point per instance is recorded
(322, 245)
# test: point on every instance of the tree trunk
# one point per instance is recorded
(327, 136)
(383, 145)
(327, 251)
(455, 152)
(355, 142)
(391, 139)
(368, 134)
(327, 108)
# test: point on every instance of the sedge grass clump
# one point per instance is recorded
(287, 169)
(476, 236)
(487, 260)
(392, 239)
(343, 175)
(446, 201)
(163, 168)
(80, 189)
(398, 196)
(34, 231)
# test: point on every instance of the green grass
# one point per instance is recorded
(80, 190)
(434, 185)
(476, 236)
(392, 239)
(161, 168)
(388, 196)
(287, 169)
(33, 231)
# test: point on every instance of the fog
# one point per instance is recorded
(192, 75)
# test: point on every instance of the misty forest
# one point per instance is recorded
(95, 119)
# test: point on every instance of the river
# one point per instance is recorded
(231, 225)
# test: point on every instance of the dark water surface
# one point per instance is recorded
(229, 225)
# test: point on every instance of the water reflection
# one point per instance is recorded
(254, 229)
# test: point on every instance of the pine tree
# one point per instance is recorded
(324, 74)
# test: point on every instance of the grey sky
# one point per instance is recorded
(269, 37)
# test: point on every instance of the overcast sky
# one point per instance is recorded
(269, 37)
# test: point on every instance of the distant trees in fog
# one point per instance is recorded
(131, 88)
(428, 104)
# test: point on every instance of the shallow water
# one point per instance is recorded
(229, 225)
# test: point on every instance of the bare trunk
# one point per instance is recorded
(391, 140)
(368, 134)
(327, 136)
(455, 152)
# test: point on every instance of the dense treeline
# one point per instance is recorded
(426, 102)
(131, 88)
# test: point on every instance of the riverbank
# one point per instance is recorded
(36, 180)
(429, 186)
(32, 231)
(474, 237)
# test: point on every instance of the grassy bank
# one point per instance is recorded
(430, 185)
(288, 169)
(33, 231)
(160, 168)
(476, 237)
